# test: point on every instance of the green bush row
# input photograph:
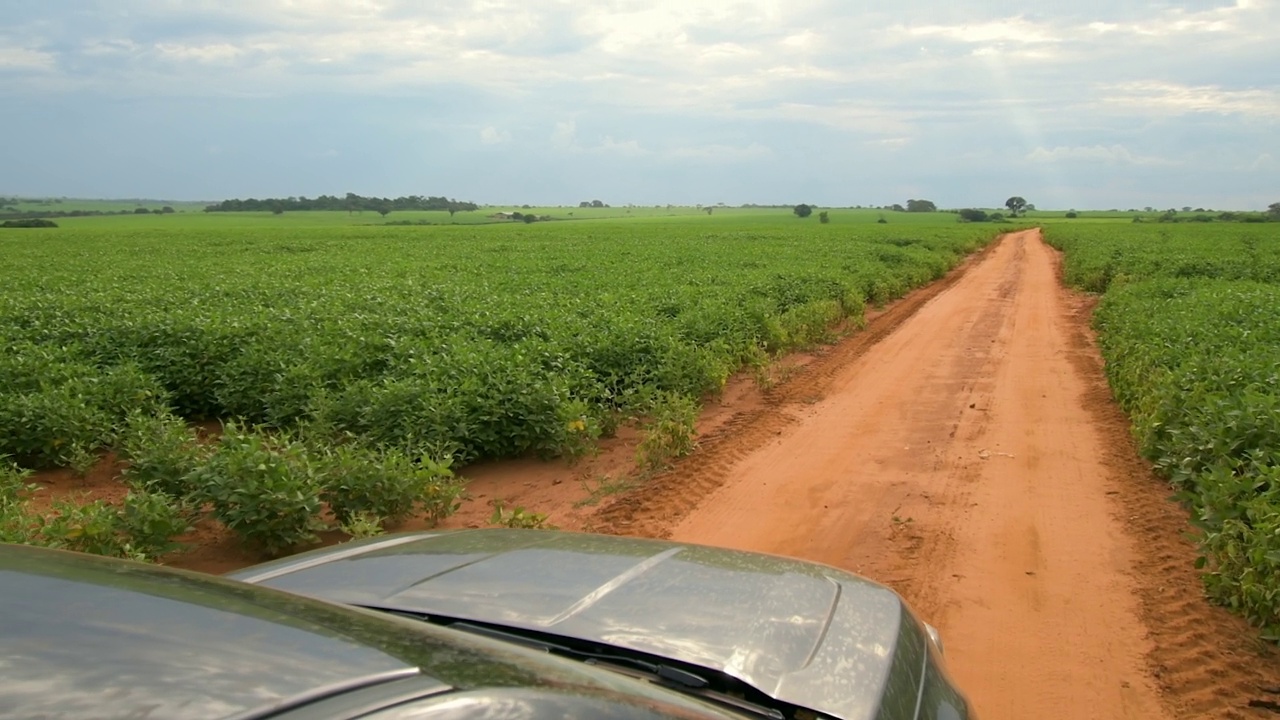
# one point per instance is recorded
(479, 343)
(1191, 337)
(271, 489)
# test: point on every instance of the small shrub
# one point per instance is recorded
(824, 217)
(29, 223)
(142, 529)
(670, 433)
(13, 480)
(162, 453)
(1072, 215)
(387, 485)
(264, 490)
(16, 524)
(149, 521)
(581, 429)
(518, 517)
(362, 525)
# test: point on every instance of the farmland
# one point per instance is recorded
(1191, 335)
(330, 344)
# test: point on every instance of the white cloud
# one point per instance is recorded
(1111, 155)
(1263, 163)
(21, 58)
(213, 53)
(1178, 99)
(565, 134)
(493, 136)
(626, 148)
(1177, 21)
(719, 153)
(565, 138)
(1015, 30)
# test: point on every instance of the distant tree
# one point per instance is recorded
(707, 208)
(1186, 208)
(1148, 209)
(167, 210)
(1016, 204)
(141, 211)
(383, 208)
(597, 204)
(1072, 215)
(1274, 210)
(584, 203)
(530, 217)
(1031, 207)
(921, 206)
(802, 210)
(882, 221)
(897, 208)
(823, 217)
(973, 215)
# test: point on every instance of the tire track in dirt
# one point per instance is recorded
(966, 451)
(652, 510)
(1208, 662)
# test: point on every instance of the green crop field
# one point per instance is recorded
(1190, 329)
(337, 346)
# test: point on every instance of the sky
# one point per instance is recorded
(1086, 104)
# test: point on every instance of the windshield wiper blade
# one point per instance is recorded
(665, 672)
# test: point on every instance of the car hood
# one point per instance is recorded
(802, 633)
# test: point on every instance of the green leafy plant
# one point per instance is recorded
(386, 484)
(362, 525)
(604, 486)
(141, 529)
(162, 453)
(265, 489)
(517, 517)
(669, 434)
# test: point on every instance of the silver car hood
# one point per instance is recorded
(805, 634)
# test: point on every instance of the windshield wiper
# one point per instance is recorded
(676, 675)
(675, 678)
(670, 676)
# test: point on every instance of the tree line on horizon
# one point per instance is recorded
(349, 203)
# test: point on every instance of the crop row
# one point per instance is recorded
(464, 343)
(1191, 337)
(445, 343)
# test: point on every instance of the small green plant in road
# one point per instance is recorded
(517, 517)
(670, 432)
(606, 485)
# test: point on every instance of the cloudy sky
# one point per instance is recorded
(837, 102)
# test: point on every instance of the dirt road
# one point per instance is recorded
(967, 454)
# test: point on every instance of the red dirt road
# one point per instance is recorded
(968, 455)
